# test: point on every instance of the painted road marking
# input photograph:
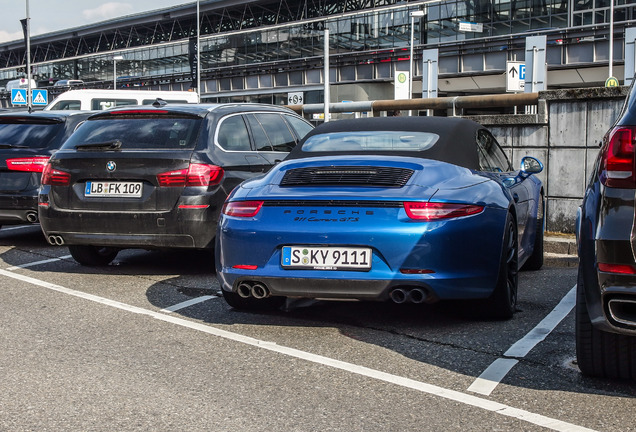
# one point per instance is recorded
(35, 263)
(187, 303)
(18, 227)
(497, 371)
(430, 389)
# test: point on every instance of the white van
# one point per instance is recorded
(94, 100)
(20, 83)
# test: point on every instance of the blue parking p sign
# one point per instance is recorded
(18, 96)
(522, 72)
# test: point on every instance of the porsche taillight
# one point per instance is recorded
(55, 177)
(242, 208)
(617, 158)
(28, 164)
(431, 211)
(194, 175)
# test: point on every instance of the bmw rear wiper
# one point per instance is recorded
(10, 146)
(108, 145)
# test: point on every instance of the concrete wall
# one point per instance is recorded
(564, 134)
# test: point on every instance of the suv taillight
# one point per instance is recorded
(55, 177)
(617, 158)
(28, 164)
(194, 175)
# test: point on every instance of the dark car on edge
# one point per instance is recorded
(157, 176)
(27, 141)
(606, 286)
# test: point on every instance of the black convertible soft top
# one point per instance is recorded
(456, 144)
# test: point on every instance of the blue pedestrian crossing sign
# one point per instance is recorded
(40, 97)
(19, 96)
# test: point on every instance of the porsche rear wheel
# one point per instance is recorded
(502, 304)
(93, 255)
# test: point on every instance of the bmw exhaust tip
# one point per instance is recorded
(55, 240)
(244, 290)
(259, 291)
(32, 217)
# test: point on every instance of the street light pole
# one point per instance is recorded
(414, 14)
(28, 59)
(115, 60)
(611, 39)
(198, 53)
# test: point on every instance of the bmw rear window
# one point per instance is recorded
(374, 141)
(134, 132)
(28, 133)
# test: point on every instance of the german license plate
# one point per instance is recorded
(326, 258)
(113, 189)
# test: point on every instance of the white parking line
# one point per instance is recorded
(10, 228)
(187, 303)
(426, 388)
(496, 372)
(31, 264)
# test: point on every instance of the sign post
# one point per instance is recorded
(515, 76)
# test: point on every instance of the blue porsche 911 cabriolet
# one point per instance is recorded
(414, 209)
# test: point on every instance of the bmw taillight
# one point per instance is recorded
(28, 164)
(617, 158)
(55, 177)
(194, 175)
(431, 211)
(242, 208)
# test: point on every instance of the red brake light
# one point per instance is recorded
(138, 111)
(430, 211)
(242, 208)
(55, 177)
(617, 268)
(194, 175)
(29, 164)
(617, 160)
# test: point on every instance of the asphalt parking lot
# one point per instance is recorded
(147, 344)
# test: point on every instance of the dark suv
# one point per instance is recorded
(157, 176)
(606, 287)
(27, 141)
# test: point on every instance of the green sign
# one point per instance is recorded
(611, 82)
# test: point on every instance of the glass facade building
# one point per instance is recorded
(269, 37)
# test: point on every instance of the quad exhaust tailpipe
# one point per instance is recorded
(255, 290)
(55, 240)
(406, 295)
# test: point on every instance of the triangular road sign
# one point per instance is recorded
(40, 97)
(18, 96)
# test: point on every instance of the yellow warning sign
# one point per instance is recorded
(611, 82)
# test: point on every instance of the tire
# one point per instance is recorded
(240, 303)
(599, 353)
(502, 304)
(535, 261)
(94, 256)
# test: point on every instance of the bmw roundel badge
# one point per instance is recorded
(111, 166)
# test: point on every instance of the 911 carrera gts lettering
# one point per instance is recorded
(314, 219)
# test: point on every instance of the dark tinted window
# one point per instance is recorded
(300, 126)
(139, 133)
(277, 131)
(261, 140)
(491, 156)
(233, 135)
(31, 135)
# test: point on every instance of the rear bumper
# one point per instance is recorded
(182, 228)
(610, 297)
(18, 209)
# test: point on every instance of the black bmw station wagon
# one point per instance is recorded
(157, 176)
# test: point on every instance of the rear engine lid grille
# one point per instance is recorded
(347, 176)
